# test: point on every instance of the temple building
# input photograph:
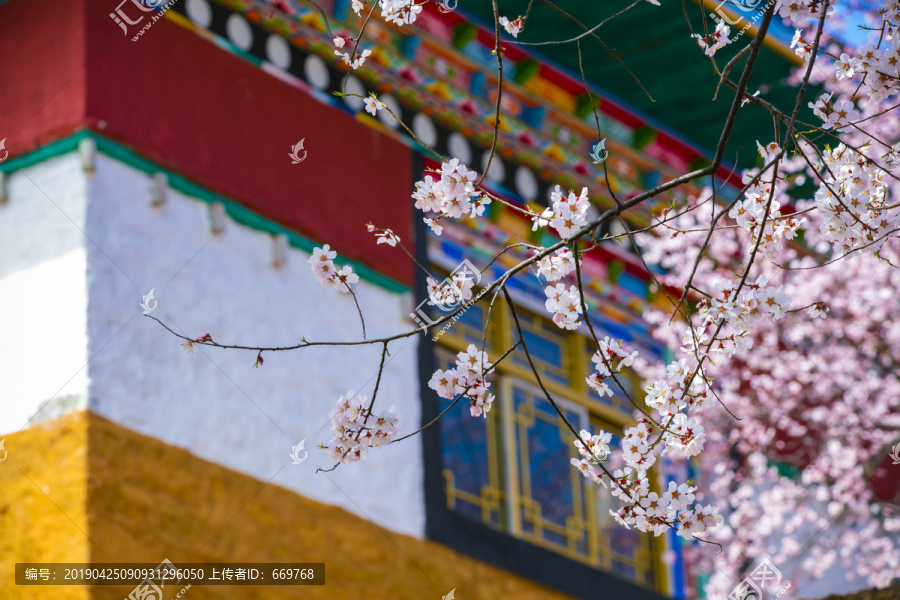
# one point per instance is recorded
(181, 163)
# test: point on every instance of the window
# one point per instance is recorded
(470, 461)
(548, 349)
(548, 504)
(511, 471)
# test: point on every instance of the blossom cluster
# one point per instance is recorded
(356, 429)
(801, 47)
(399, 12)
(469, 377)
(452, 195)
(750, 211)
(684, 435)
(565, 305)
(190, 346)
(557, 265)
(799, 11)
(838, 114)
(653, 512)
(594, 452)
(879, 67)
(642, 509)
(646, 510)
(738, 311)
(715, 40)
(853, 199)
(513, 28)
(676, 398)
(385, 236)
(450, 292)
(354, 60)
(372, 104)
(322, 264)
(678, 395)
(609, 359)
(568, 213)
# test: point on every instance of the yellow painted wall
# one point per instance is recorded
(140, 500)
(43, 491)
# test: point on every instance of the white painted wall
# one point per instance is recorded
(43, 295)
(215, 404)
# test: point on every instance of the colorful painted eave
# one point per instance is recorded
(427, 88)
(570, 89)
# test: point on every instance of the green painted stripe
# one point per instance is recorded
(235, 211)
(52, 150)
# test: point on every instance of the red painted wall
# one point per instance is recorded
(42, 72)
(195, 109)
